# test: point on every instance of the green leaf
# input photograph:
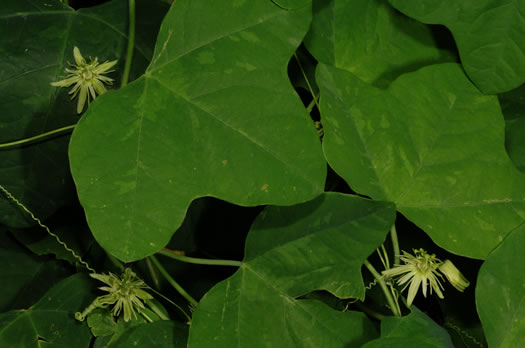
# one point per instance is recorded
(513, 106)
(489, 36)
(291, 251)
(500, 293)
(377, 44)
(24, 277)
(158, 334)
(289, 4)
(413, 330)
(101, 323)
(38, 46)
(202, 121)
(431, 143)
(51, 320)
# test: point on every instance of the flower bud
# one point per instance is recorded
(453, 275)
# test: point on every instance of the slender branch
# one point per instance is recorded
(386, 291)
(395, 244)
(174, 255)
(37, 137)
(171, 302)
(131, 43)
(172, 281)
(307, 81)
(152, 273)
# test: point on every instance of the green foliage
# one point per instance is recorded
(49, 321)
(239, 118)
(488, 33)
(500, 293)
(224, 84)
(290, 252)
(414, 330)
(422, 149)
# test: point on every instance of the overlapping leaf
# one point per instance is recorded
(36, 44)
(24, 277)
(214, 115)
(413, 330)
(371, 39)
(50, 321)
(500, 293)
(513, 108)
(431, 143)
(489, 35)
(291, 251)
(162, 333)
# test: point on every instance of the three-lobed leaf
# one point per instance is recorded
(291, 251)
(214, 115)
(434, 145)
(51, 320)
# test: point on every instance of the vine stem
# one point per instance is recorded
(388, 295)
(37, 137)
(395, 244)
(37, 220)
(175, 255)
(307, 81)
(131, 43)
(172, 281)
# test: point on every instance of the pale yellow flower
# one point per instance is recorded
(425, 269)
(419, 269)
(126, 293)
(88, 79)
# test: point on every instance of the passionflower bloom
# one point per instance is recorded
(88, 79)
(126, 293)
(418, 269)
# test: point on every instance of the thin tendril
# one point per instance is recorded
(37, 220)
(171, 302)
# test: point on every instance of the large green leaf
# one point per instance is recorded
(36, 44)
(377, 44)
(489, 35)
(214, 115)
(51, 320)
(24, 277)
(413, 330)
(158, 334)
(431, 143)
(500, 293)
(291, 251)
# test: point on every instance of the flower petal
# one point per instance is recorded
(78, 57)
(82, 98)
(104, 67)
(65, 83)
